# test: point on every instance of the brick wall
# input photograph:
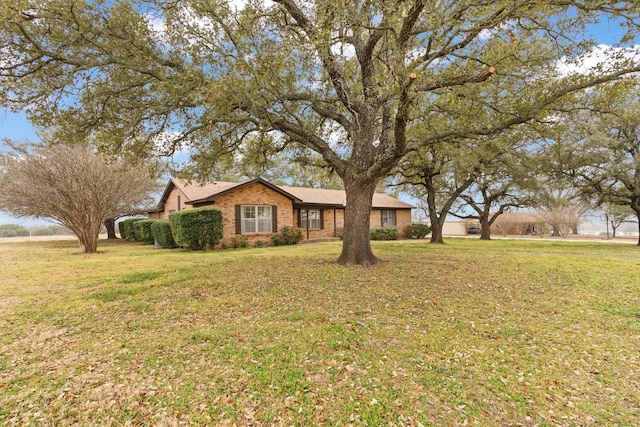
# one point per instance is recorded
(329, 224)
(171, 205)
(258, 194)
(254, 194)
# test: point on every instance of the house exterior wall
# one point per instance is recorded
(403, 218)
(330, 225)
(455, 228)
(259, 194)
(171, 204)
(255, 194)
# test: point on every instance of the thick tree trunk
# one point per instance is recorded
(356, 246)
(88, 240)
(436, 233)
(436, 223)
(110, 224)
(485, 229)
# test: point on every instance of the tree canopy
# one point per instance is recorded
(349, 81)
(599, 149)
(74, 186)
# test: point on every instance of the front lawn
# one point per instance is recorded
(470, 333)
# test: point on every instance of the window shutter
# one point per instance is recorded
(274, 218)
(381, 218)
(321, 219)
(238, 219)
(299, 218)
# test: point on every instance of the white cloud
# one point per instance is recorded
(237, 4)
(344, 50)
(601, 58)
(163, 141)
(485, 34)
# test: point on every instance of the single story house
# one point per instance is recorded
(258, 209)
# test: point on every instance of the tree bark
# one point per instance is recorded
(110, 224)
(356, 246)
(485, 228)
(436, 233)
(88, 240)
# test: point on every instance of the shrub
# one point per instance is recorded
(340, 233)
(239, 241)
(162, 235)
(384, 233)
(121, 230)
(129, 231)
(259, 244)
(45, 231)
(287, 236)
(417, 231)
(143, 231)
(13, 230)
(197, 229)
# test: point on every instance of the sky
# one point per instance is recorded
(15, 126)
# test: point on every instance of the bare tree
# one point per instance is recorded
(516, 223)
(561, 218)
(74, 186)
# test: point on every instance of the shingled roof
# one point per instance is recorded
(197, 193)
(338, 198)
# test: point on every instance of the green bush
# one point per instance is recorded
(259, 244)
(123, 235)
(287, 236)
(417, 231)
(340, 233)
(143, 231)
(239, 241)
(162, 235)
(45, 231)
(384, 233)
(197, 229)
(13, 230)
(129, 230)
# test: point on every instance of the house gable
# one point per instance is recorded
(238, 186)
(252, 193)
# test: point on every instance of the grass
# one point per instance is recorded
(470, 333)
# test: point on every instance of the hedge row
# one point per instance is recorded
(195, 229)
(412, 231)
(161, 231)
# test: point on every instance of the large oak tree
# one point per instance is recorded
(345, 79)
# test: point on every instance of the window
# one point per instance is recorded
(255, 219)
(388, 217)
(313, 217)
